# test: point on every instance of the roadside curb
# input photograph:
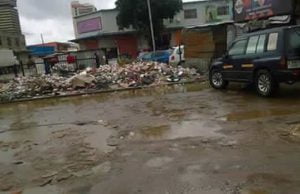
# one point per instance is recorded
(83, 93)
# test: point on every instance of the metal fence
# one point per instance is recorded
(83, 59)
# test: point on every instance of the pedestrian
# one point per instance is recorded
(47, 66)
(97, 60)
(15, 67)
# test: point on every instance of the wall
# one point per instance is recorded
(204, 10)
(13, 38)
(127, 45)
(108, 23)
(179, 20)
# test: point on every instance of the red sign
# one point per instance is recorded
(245, 10)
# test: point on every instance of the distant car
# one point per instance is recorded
(158, 56)
(265, 58)
(175, 56)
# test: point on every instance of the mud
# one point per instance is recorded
(172, 139)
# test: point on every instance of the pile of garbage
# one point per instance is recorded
(105, 77)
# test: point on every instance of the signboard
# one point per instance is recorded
(89, 25)
(218, 12)
(245, 10)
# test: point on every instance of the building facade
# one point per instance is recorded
(100, 30)
(11, 36)
(9, 17)
(79, 9)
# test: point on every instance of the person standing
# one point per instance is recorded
(97, 60)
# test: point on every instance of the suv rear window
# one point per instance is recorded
(273, 41)
(293, 42)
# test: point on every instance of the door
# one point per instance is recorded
(254, 52)
(235, 58)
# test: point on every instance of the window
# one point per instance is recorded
(17, 41)
(273, 40)
(238, 48)
(261, 44)
(8, 41)
(252, 44)
(294, 41)
(190, 13)
(223, 10)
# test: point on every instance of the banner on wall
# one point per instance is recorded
(89, 25)
(245, 10)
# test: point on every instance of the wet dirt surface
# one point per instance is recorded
(170, 140)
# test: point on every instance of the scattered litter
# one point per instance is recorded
(105, 77)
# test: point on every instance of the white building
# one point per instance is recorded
(99, 30)
(79, 9)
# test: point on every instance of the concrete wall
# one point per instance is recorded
(180, 21)
(13, 38)
(108, 21)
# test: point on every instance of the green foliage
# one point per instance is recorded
(134, 13)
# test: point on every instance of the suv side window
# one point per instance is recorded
(252, 44)
(272, 42)
(261, 44)
(238, 48)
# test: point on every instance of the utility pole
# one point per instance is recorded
(151, 25)
(42, 37)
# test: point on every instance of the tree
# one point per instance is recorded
(134, 13)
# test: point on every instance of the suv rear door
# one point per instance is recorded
(254, 52)
(293, 48)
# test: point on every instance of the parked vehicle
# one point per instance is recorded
(175, 56)
(158, 56)
(265, 58)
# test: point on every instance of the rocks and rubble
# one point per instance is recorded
(106, 77)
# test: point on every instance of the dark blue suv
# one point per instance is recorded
(265, 58)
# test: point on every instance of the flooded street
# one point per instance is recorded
(168, 140)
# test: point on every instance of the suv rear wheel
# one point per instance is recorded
(216, 79)
(265, 84)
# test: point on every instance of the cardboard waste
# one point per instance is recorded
(105, 77)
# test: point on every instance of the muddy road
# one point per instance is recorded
(169, 140)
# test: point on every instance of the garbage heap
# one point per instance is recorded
(106, 77)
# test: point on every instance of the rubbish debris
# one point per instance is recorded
(105, 77)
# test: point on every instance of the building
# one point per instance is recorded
(79, 9)
(9, 17)
(41, 50)
(257, 15)
(11, 36)
(99, 30)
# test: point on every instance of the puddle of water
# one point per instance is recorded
(6, 157)
(159, 162)
(98, 138)
(254, 191)
(45, 190)
(197, 87)
(183, 129)
(256, 114)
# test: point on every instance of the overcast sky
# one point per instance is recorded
(52, 18)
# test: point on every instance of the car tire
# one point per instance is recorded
(216, 80)
(265, 83)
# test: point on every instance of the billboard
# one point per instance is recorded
(245, 10)
(218, 12)
(89, 25)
